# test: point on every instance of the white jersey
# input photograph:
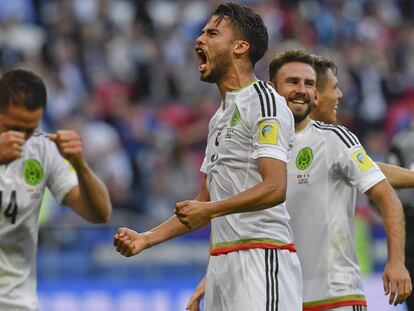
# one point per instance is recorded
(254, 123)
(22, 183)
(328, 166)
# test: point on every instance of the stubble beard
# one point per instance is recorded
(219, 69)
(299, 117)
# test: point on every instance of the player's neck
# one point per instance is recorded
(302, 124)
(235, 79)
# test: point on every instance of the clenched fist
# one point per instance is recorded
(193, 214)
(129, 242)
(11, 146)
(69, 145)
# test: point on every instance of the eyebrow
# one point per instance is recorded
(209, 30)
(307, 80)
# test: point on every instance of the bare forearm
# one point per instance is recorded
(94, 195)
(172, 227)
(270, 192)
(168, 230)
(398, 177)
(256, 198)
(392, 213)
(394, 227)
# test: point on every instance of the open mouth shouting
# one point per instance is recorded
(202, 58)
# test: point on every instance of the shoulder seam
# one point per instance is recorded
(348, 138)
(272, 95)
(267, 99)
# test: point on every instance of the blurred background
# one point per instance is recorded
(123, 73)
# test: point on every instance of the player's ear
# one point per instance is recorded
(241, 47)
(316, 101)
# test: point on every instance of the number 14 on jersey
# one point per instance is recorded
(11, 209)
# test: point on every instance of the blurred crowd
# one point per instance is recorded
(124, 74)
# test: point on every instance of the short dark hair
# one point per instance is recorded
(249, 24)
(322, 64)
(290, 56)
(22, 88)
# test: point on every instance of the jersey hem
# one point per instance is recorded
(224, 248)
(335, 302)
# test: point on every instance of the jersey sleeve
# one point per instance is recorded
(61, 176)
(203, 167)
(350, 159)
(272, 129)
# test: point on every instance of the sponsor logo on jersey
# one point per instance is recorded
(235, 119)
(304, 158)
(32, 172)
(363, 161)
(303, 178)
(229, 133)
(34, 193)
(268, 133)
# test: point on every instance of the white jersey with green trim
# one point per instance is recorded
(327, 168)
(22, 183)
(254, 122)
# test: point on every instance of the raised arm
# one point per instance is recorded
(398, 177)
(396, 278)
(90, 199)
(129, 242)
(270, 192)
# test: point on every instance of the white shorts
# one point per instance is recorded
(254, 280)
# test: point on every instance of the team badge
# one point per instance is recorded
(235, 119)
(304, 158)
(363, 161)
(33, 172)
(268, 133)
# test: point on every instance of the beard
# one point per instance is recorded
(299, 116)
(219, 68)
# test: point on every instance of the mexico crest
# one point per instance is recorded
(304, 158)
(32, 172)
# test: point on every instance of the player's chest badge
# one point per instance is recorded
(32, 172)
(33, 175)
(235, 119)
(303, 161)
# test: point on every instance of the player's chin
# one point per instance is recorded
(209, 76)
(204, 76)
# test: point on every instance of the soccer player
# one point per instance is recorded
(253, 264)
(328, 164)
(402, 153)
(325, 107)
(30, 161)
